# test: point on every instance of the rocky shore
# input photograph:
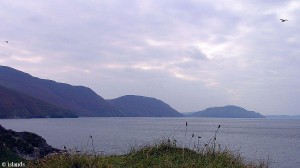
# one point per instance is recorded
(23, 145)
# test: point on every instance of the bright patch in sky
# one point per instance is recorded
(191, 54)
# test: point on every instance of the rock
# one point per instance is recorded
(25, 145)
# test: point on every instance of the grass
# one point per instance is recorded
(164, 153)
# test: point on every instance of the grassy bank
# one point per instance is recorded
(161, 154)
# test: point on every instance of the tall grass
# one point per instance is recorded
(162, 153)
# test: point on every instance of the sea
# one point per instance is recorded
(274, 140)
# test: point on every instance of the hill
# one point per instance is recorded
(79, 99)
(163, 154)
(283, 116)
(140, 106)
(226, 112)
(31, 150)
(17, 105)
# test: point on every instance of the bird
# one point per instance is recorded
(283, 20)
(6, 41)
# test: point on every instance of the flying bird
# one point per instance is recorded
(283, 20)
(6, 41)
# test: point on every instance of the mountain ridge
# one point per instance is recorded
(229, 111)
(81, 100)
(141, 106)
(17, 105)
(84, 102)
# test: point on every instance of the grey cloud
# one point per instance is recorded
(195, 53)
(178, 51)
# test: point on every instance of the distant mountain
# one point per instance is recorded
(187, 113)
(226, 112)
(81, 100)
(17, 105)
(140, 106)
(283, 116)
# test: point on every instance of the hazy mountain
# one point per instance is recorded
(81, 100)
(226, 112)
(17, 105)
(140, 106)
(283, 116)
(187, 113)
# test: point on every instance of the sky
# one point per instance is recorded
(191, 54)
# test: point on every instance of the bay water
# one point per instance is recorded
(276, 140)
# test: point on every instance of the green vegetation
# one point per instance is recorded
(162, 154)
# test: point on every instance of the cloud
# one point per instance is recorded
(192, 54)
(195, 53)
(28, 59)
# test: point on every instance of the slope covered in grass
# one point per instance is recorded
(163, 154)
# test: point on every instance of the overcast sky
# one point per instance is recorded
(190, 54)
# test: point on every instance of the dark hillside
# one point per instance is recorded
(140, 106)
(17, 105)
(79, 99)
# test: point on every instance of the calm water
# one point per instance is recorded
(278, 140)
